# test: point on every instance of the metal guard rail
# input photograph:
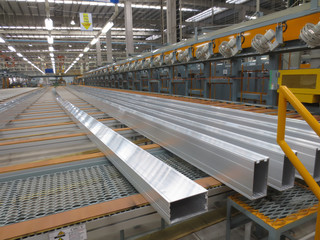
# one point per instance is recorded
(286, 95)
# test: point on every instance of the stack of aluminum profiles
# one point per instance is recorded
(241, 169)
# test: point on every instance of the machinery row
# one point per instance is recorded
(238, 63)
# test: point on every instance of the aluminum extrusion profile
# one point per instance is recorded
(173, 195)
(308, 151)
(11, 109)
(242, 170)
(281, 172)
(294, 127)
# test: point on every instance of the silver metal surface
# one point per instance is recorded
(281, 172)
(173, 195)
(308, 151)
(9, 110)
(242, 170)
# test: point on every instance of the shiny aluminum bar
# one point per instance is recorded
(173, 195)
(308, 151)
(294, 127)
(9, 110)
(242, 170)
(281, 172)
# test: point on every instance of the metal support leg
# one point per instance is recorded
(228, 227)
(163, 224)
(247, 231)
(122, 235)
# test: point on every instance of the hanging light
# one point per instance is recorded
(48, 23)
(2, 40)
(73, 22)
(107, 27)
(94, 41)
(50, 39)
(12, 49)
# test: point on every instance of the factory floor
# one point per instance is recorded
(218, 232)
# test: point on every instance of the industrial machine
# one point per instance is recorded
(231, 64)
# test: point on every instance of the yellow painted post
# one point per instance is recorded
(286, 94)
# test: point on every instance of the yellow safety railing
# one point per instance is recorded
(286, 95)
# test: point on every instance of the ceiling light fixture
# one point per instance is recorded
(12, 49)
(94, 41)
(2, 40)
(86, 49)
(51, 55)
(107, 27)
(51, 49)
(49, 24)
(19, 54)
(50, 39)
(80, 55)
(72, 22)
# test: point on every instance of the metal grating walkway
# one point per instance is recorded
(280, 208)
(42, 195)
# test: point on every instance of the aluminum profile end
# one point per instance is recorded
(185, 208)
(316, 171)
(260, 179)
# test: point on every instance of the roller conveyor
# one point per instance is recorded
(60, 159)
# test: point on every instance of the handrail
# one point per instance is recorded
(286, 95)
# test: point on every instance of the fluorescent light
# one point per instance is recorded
(80, 55)
(51, 55)
(205, 14)
(51, 49)
(77, 59)
(2, 40)
(107, 27)
(94, 41)
(49, 24)
(50, 39)
(86, 49)
(153, 37)
(19, 54)
(12, 49)
(72, 22)
(25, 59)
(52, 59)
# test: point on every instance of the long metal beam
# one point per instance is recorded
(173, 195)
(308, 151)
(281, 172)
(242, 170)
(11, 109)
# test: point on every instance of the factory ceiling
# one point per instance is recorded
(22, 26)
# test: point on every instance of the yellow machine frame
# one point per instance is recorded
(304, 83)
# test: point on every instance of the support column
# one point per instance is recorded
(109, 47)
(128, 26)
(98, 48)
(171, 22)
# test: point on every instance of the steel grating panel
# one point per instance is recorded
(308, 150)
(180, 165)
(173, 195)
(281, 208)
(37, 196)
(215, 157)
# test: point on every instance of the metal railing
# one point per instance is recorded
(286, 95)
